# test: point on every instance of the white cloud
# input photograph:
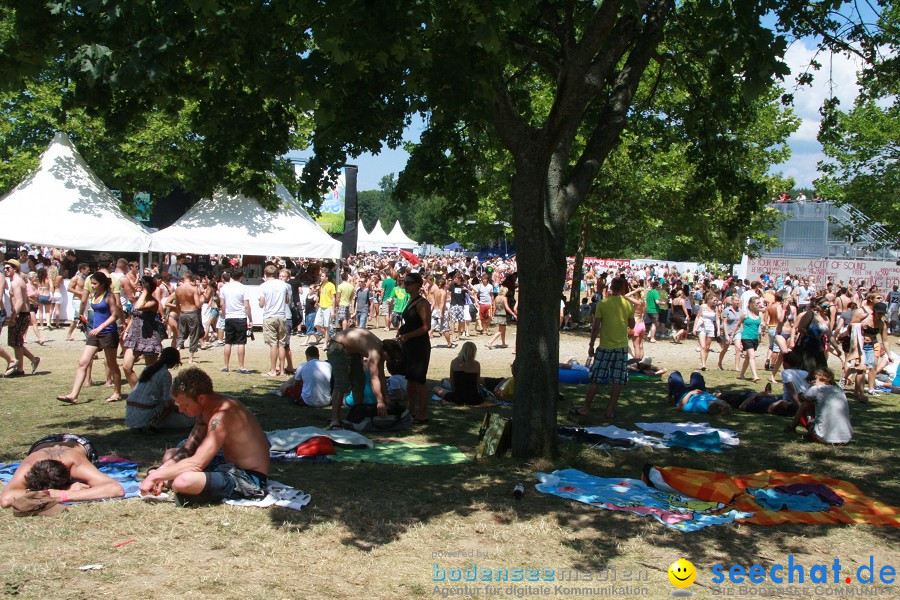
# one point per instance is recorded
(807, 132)
(836, 77)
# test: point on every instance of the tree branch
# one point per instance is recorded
(613, 118)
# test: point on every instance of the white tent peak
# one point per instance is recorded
(399, 238)
(85, 213)
(378, 234)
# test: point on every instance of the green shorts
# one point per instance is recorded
(346, 370)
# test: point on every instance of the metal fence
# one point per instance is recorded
(811, 230)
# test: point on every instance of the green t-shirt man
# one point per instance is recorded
(388, 286)
(652, 297)
(401, 298)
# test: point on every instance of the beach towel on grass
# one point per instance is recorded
(727, 436)
(701, 442)
(286, 440)
(633, 495)
(277, 494)
(119, 469)
(732, 489)
(403, 453)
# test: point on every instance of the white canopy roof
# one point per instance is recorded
(65, 204)
(361, 233)
(378, 235)
(398, 238)
(234, 223)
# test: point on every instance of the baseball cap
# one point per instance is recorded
(880, 308)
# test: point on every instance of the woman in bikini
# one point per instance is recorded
(783, 330)
(636, 297)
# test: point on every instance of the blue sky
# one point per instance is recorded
(805, 149)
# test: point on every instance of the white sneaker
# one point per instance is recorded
(873, 392)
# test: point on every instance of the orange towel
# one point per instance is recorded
(731, 490)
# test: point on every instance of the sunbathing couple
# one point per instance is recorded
(225, 456)
(815, 402)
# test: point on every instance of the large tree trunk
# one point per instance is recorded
(575, 294)
(542, 269)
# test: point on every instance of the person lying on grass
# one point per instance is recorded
(195, 471)
(61, 466)
(694, 397)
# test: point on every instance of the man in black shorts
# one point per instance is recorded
(195, 470)
(236, 308)
(61, 467)
(3, 318)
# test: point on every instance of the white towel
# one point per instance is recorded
(277, 494)
(285, 440)
(727, 436)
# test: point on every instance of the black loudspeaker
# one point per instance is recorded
(351, 213)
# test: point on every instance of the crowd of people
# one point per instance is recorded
(187, 305)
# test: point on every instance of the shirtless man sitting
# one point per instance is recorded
(345, 353)
(62, 466)
(194, 471)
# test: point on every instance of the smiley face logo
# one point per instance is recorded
(682, 573)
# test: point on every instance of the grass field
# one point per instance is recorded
(375, 531)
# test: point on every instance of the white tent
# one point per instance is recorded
(65, 204)
(398, 238)
(362, 237)
(234, 223)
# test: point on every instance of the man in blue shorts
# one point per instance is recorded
(195, 471)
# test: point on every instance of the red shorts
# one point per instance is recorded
(484, 311)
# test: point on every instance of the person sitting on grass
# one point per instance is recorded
(311, 383)
(824, 411)
(465, 376)
(63, 467)
(644, 367)
(149, 408)
(194, 471)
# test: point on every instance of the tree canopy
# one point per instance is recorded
(549, 83)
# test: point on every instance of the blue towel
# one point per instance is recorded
(633, 495)
(123, 472)
(701, 442)
(774, 500)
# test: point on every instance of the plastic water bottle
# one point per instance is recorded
(518, 491)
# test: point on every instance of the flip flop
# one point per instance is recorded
(67, 399)
(113, 399)
(575, 413)
(35, 364)
(335, 427)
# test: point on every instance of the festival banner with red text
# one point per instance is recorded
(884, 274)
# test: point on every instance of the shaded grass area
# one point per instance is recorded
(375, 530)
